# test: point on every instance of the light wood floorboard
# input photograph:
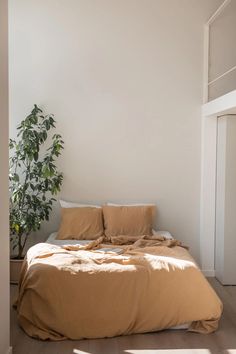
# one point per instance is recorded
(164, 342)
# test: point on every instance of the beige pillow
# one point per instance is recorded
(128, 220)
(84, 223)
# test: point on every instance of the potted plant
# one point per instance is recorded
(33, 180)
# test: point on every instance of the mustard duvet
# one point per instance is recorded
(75, 292)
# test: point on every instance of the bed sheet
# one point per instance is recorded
(53, 241)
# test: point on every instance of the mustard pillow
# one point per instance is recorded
(128, 220)
(84, 223)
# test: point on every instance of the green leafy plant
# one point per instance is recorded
(33, 177)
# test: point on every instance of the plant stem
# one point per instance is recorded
(26, 237)
(20, 247)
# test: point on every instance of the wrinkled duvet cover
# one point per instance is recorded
(113, 287)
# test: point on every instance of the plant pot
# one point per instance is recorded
(15, 269)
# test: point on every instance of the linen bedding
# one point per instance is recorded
(52, 239)
(74, 291)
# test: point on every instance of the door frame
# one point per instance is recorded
(210, 111)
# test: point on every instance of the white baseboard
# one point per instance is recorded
(208, 272)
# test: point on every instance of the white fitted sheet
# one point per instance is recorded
(52, 239)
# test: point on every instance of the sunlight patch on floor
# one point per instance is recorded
(168, 351)
(164, 351)
(161, 351)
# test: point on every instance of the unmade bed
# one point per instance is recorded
(73, 289)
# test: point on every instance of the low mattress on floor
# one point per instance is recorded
(76, 291)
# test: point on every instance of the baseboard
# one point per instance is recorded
(208, 272)
(9, 351)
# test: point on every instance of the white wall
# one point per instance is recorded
(4, 249)
(124, 79)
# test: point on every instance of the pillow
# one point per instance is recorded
(83, 223)
(65, 204)
(136, 204)
(130, 204)
(128, 220)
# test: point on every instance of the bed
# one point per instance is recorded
(72, 289)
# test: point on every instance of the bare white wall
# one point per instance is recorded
(124, 79)
(4, 232)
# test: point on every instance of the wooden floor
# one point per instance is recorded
(165, 342)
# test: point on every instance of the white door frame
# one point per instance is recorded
(210, 111)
